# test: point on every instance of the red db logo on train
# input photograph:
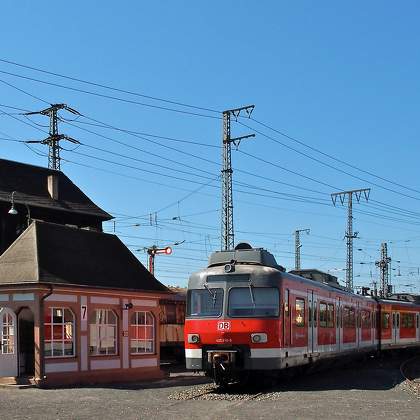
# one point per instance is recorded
(223, 326)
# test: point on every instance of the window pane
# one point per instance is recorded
(253, 301)
(205, 303)
(57, 314)
(93, 316)
(323, 315)
(103, 332)
(330, 316)
(68, 348)
(385, 319)
(149, 332)
(141, 318)
(149, 319)
(300, 313)
(111, 318)
(68, 315)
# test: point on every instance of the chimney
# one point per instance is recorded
(53, 186)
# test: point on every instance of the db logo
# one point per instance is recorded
(223, 325)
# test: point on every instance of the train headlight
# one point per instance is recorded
(193, 338)
(259, 338)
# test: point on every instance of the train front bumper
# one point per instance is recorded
(243, 358)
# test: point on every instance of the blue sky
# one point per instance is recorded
(340, 77)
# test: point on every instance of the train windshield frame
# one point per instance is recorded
(251, 302)
(205, 303)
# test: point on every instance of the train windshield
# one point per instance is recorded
(206, 302)
(253, 302)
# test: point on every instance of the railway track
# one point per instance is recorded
(410, 370)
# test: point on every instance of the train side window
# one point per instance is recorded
(330, 316)
(398, 320)
(385, 320)
(345, 312)
(418, 320)
(322, 314)
(310, 313)
(407, 320)
(349, 317)
(300, 312)
(365, 319)
(352, 318)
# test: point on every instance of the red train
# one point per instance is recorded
(245, 313)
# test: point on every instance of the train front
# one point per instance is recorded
(232, 324)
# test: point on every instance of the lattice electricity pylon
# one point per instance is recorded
(53, 140)
(298, 246)
(349, 233)
(227, 234)
(383, 265)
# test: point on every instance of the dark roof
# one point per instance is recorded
(62, 255)
(30, 183)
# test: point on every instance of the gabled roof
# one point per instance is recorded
(30, 183)
(62, 255)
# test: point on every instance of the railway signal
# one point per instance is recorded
(153, 251)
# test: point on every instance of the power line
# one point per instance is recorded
(115, 98)
(110, 87)
(23, 91)
(327, 164)
(196, 143)
(332, 157)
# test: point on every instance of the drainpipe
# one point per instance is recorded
(42, 376)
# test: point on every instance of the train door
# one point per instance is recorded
(339, 326)
(358, 326)
(286, 319)
(418, 326)
(8, 353)
(395, 327)
(311, 322)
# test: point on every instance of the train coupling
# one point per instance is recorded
(222, 359)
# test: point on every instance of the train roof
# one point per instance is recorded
(244, 254)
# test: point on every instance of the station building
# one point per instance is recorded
(76, 306)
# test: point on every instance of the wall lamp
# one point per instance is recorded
(13, 210)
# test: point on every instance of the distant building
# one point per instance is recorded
(76, 306)
(172, 320)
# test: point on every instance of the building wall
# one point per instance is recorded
(84, 367)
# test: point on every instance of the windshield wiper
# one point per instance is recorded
(212, 294)
(251, 292)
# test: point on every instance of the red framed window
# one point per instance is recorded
(59, 328)
(142, 333)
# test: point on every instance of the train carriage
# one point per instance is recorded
(245, 313)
